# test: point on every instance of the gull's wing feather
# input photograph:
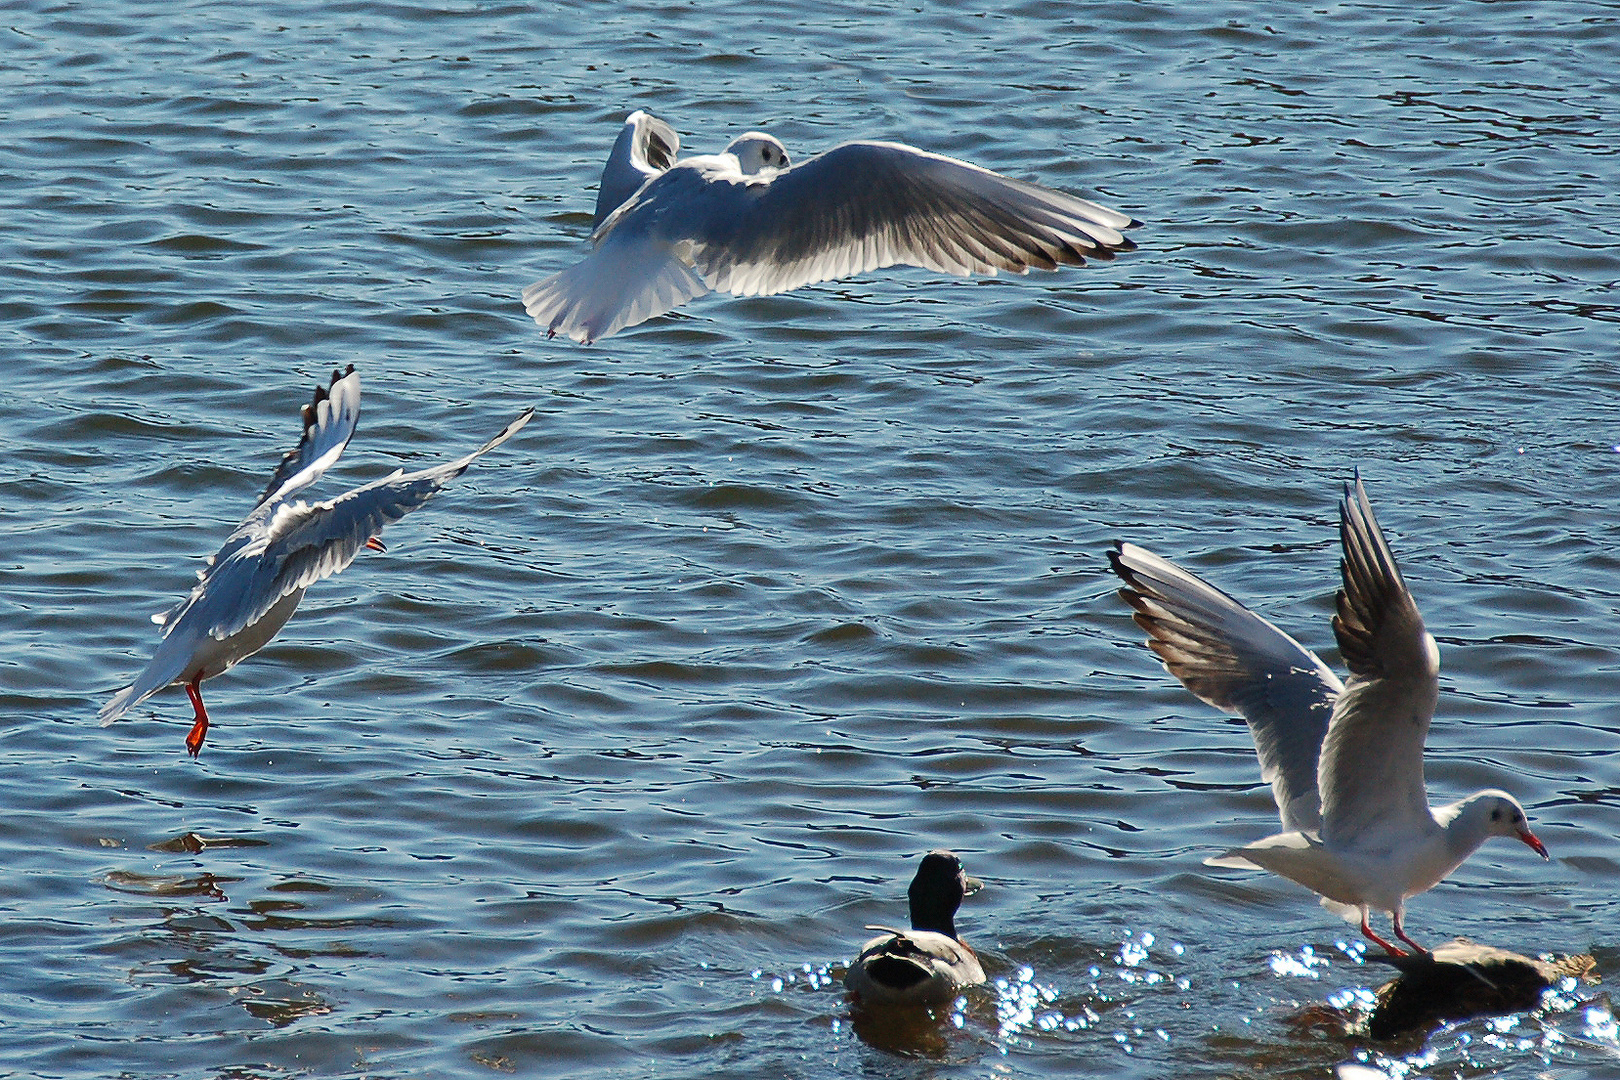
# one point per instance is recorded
(646, 146)
(1238, 662)
(1371, 772)
(329, 423)
(303, 543)
(866, 205)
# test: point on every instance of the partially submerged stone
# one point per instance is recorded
(1461, 979)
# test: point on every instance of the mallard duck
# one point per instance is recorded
(928, 964)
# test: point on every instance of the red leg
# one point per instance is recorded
(1367, 930)
(199, 730)
(1401, 933)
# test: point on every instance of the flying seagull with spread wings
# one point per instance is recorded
(747, 222)
(250, 588)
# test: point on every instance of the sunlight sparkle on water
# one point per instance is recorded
(1600, 1025)
(1353, 996)
(1355, 950)
(810, 976)
(1027, 1007)
(1304, 965)
(1022, 1003)
(1133, 955)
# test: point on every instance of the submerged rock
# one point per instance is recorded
(1461, 979)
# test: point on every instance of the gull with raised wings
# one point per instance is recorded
(250, 588)
(1344, 760)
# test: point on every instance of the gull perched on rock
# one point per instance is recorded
(249, 590)
(747, 222)
(1345, 761)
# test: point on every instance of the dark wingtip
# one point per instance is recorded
(1130, 590)
(1116, 562)
(324, 392)
(308, 416)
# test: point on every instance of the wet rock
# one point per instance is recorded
(1461, 979)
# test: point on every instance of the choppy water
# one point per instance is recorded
(603, 767)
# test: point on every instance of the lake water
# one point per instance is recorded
(601, 770)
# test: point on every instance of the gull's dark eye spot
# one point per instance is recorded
(1496, 815)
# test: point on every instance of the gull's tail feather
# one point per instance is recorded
(167, 665)
(120, 704)
(165, 668)
(619, 285)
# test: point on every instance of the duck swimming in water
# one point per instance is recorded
(928, 964)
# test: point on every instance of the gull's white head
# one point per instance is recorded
(1495, 813)
(756, 151)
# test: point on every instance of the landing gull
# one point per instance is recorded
(1344, 760)
(747, 222)
(249, 590)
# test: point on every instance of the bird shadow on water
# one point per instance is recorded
(189, 948)
(915, 1031)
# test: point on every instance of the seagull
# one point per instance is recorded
(1344, 760)
(928, 964)
(747, 222)
(251, 587)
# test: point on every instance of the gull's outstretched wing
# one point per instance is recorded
(866, 205)
(646, 146)
(329, 423)
(1371, 773)
(303, 542)
(1238, 662)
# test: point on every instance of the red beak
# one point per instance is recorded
(375, 544)
(1536, 845)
